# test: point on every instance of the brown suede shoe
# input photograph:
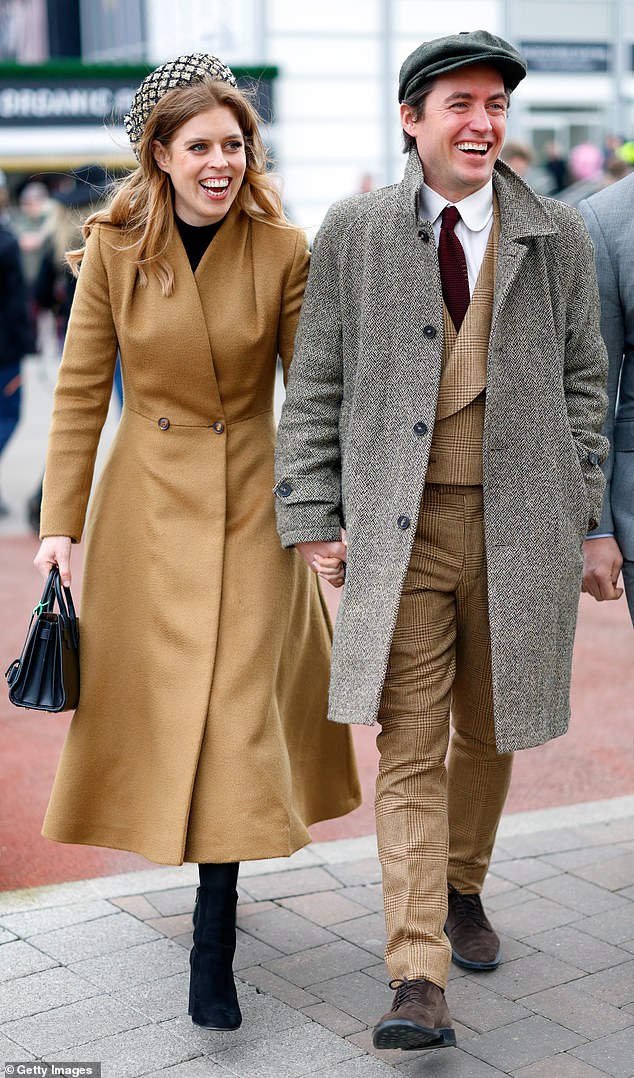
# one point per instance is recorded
(474, 944)
(419, 1018)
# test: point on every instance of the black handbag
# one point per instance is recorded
(46, 676)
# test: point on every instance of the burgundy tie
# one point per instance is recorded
(453, 267)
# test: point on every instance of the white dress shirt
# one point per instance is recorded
(473, 228)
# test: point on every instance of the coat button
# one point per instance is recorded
(593, 458)
(420, 428)
(403, 523)
(219, 427)
(283, 489)
(164, 423)
(424, 235)
(429, 331)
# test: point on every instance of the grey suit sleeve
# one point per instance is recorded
(613, 332)
(308, 456)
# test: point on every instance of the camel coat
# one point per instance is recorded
(355, 435)
(201, 732)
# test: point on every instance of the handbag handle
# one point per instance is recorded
(64, 602)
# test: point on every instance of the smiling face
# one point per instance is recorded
(206, 162)
(460, 132)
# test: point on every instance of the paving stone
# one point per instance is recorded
(247, 908)
(521, 1043)
(175, 900)
(6, 936)
(325, 908)
(612, 831)
(160, 1000)
(476, 1007)
(367, 932)
(36, 922)
(363, 997)
(536, 915)
(512, 949)
(65, 1027)
(179, 925)
(569, 944)
(286, 931)
(186, 940)
(202, 1067)
(40, 991)
(18, 959)
(572, 860)
(146, 962)
(541, 843)
(379, 971)
(135, 1052)
(525, 976)
(567, 1067)
(276, 986)
(286, 1054)
(614, 985)
(339, 1022)
(10, 1051)
(262, 1015)
(579, 894)
(301, 881)
(362, 1067)
(507, 899)
(94, 938)
(319, 964)
(449, 1063)
(420, 1061)
(578, 1011)
(138, 905)
(613, 1054)
(357, 873)
(525, 870)
(614, 926)
(370, 895)
(616, 874)
(252, 952)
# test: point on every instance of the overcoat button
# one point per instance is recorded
(219, 427)
(429, 331)
(164, 423)
(403, 523)
(424, 235)
(420, 428)
(593, 458)
(284, 489)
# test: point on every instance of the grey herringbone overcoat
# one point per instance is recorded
(363, 386)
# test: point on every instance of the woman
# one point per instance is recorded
(201, 731)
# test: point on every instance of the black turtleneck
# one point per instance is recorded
(196, 239)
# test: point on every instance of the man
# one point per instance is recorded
(609, 216)
(458, 445)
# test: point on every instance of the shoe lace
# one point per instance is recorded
(467, 907)
(406, 991)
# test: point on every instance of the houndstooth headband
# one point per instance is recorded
(179, 72)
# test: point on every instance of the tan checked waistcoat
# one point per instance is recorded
(456, 448)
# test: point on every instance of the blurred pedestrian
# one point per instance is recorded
(34, 224)
(443, 408)
(15, 333)
(201, 732)
(609, 549)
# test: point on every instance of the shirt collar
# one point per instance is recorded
(476, 210)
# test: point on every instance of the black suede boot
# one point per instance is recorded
(213, 1000)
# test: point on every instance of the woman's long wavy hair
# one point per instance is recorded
(143, 201)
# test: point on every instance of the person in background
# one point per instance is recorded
(201, 732)
(16, 340)
(34, 224)
(609, 549)
(444, 409)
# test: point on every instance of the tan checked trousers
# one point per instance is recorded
(437, 819)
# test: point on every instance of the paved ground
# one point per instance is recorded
(98, 970)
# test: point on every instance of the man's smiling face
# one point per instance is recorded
(461, 130)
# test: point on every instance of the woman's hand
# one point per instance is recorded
(327, 560)
(54, 550)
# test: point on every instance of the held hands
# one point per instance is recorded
(54, 550)
(602, 561)
(327, 560)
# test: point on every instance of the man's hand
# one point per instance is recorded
(602, 561)
(327, 560)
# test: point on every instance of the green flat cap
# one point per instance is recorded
(445, 54)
